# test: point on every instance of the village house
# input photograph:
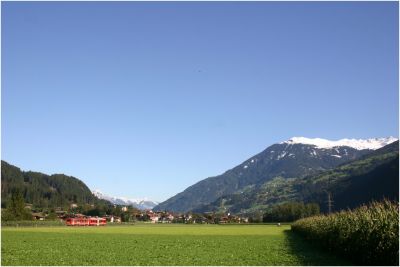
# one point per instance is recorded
(154, 218)
(170, 217)
(166, 218)
(61, 213)
(188, 218)
(38, 216)
(115, 219)
(200, 219)
(223, 220)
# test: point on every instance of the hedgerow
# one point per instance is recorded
(32, 223)
(368, 235)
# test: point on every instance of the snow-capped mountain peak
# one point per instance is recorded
(144, 203)
(359, 144)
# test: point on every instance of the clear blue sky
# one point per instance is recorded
(144, 99)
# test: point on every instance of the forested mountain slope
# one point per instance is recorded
(42, 190)
(372, 177)
(293, 158)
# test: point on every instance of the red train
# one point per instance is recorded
(80, 221)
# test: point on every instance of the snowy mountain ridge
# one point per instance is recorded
(359, 144)
(138, 203)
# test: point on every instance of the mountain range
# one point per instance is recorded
(137, 203)
(297, 158)
(300, 169)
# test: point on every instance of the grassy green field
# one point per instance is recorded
(160, 245)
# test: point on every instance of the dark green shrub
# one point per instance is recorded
(291, 211)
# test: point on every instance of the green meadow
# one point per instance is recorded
(160, 245)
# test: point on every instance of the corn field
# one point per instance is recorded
(368, 235)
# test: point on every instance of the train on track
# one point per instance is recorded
(81, 221)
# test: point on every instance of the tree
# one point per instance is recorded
(16, 208)
(52, 215)
(125, 217)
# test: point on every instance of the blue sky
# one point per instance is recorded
(144, 99)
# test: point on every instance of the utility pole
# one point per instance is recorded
(330, 202)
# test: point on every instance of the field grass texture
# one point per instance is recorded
(160, 245)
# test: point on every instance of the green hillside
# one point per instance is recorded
(42, 190)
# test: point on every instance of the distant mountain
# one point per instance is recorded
(42, 190)
(372, 177)
(296, 157)
(137, 203)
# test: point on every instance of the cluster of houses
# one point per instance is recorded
(206, 218)
(159, 217)
(154, 217)
(63, 215)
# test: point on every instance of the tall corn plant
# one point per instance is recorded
(368, 235)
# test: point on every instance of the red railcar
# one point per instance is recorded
(91, 221)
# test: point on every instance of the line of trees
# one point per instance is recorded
(291, 211)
